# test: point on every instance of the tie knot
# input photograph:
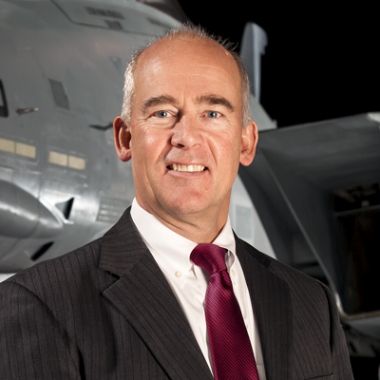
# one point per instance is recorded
(209, 257)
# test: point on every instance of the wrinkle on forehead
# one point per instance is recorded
(210, 99)
(194, 62)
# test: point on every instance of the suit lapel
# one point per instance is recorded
(145, 299)
(271, 306)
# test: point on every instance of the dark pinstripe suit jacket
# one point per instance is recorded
(105, 311)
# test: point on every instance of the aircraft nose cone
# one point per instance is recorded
(21, 214)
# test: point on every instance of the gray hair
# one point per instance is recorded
(195, 32)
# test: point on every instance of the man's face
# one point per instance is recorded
(185, 135)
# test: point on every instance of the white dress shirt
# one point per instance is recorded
(189, 282)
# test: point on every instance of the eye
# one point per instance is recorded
(161, 114)
(213, 114)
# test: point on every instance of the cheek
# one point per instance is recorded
(228, 146)
(142, 145)
(152, 138)
(229, 158)
(149, 151)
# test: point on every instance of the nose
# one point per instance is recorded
(186, 133)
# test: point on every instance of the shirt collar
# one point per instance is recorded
(162, 241)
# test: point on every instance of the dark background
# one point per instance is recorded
(321, 61)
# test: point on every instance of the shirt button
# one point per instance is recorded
(232, 273)
(178, 274)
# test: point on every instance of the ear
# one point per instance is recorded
(249, 138)
(122, 137)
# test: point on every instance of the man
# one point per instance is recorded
(131, 305)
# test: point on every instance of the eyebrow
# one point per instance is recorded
(157, 100)
(212, 99)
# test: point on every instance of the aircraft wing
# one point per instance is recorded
(316, 188)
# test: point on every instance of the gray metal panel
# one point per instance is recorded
(130, 16)
(292, 183)
(334, 154)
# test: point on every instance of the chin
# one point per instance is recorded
(187, 205)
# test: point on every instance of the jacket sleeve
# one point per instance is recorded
(339, 350)
(32, 344)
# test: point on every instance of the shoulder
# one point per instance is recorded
(80, 273)
(310, 303)
(284, 271)
(59, 275)
(301, 286)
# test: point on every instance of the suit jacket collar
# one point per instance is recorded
(143, 296)
(146, 301)
(271, 305)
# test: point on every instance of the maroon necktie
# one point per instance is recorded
(231, 351)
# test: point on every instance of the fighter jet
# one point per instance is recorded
(316, 189)
(311, 198)
(61, 74)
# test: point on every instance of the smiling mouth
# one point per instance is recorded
(187, 168)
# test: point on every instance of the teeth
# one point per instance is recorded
(187, 168)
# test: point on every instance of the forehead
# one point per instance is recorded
(187, 62)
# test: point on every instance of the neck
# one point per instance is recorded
(201, 227)
(195, 230)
